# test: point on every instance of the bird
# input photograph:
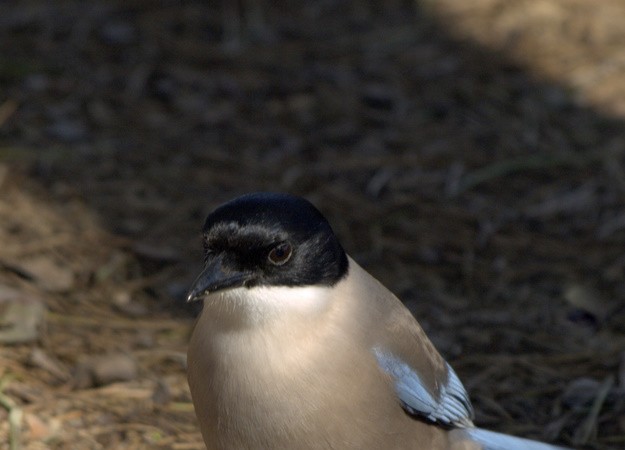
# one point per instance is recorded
(298, 347)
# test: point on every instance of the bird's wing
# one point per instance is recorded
(449, 405)
(424, 382)
(426, 385)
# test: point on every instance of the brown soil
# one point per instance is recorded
(469, 154)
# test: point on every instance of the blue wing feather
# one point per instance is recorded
(450, 406)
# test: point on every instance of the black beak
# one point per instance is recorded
(215, 277)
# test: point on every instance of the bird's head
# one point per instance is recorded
(268, 239)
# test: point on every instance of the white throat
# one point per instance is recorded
(261, 304)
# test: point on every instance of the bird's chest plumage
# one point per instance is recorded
(289, 384)
(262, 393)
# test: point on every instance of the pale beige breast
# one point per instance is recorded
(301, 382)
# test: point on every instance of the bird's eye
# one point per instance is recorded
(280, 254)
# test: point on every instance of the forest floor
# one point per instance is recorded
(471, 155)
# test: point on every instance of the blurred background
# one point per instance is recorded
(470, 155)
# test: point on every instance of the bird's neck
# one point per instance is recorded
(267, 306)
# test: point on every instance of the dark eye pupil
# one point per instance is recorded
(280, 254)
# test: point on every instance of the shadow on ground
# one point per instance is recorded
(484, 190)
